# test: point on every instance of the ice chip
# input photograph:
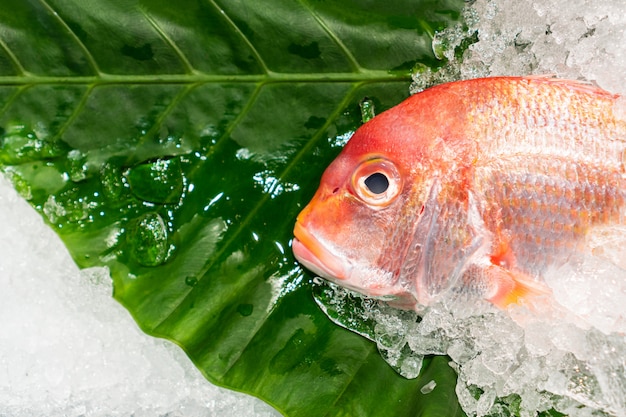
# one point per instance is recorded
(460, 350)
(428, 387)
(485, 402)
(411, 365)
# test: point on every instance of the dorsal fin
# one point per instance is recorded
(583, 86)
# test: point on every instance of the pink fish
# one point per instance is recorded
(474, 187)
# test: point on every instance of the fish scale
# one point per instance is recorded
(573, 121)
(548, 211)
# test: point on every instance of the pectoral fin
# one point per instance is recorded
(513, 287)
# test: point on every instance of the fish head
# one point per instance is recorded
(354, 232)
(341, 235)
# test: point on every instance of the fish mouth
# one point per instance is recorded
(315, 257)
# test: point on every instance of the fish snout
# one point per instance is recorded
(316, 256)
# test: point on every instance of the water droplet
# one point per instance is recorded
(53, 210)
(20, 184)
(273, 185)
(20, 145)
(367, 109)
(210, 133)
(243, 154)
(245, 309)
(159, 182)
(280, 247)
(148, 240)
(77, 165)
(213, 201)
(69, 206)
(191, 281)
(112, 181)
(340, 140)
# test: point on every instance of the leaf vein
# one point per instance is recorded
(351, 58)
(159, 120)
(198, 78)
(13, 97)
(90, 59)
(17, 65)
(253, 97)
(372, 351)
(188, 67)
(242, 35)
(77, 110)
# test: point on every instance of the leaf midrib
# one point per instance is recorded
(196, 78)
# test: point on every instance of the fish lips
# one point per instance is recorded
(315, 257)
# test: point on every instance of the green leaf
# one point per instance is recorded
(175, 142)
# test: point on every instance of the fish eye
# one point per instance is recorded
(376, 182)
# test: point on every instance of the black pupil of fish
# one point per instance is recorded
(377, 183)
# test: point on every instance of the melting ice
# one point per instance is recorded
(570, 357)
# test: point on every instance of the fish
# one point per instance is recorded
(475, 188)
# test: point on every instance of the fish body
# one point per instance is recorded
(475, 187)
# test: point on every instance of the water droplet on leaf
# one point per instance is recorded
(20, 184)
(69, 206)
(77, 165)
(159, 182)
(272, 185)
(20, 145)
(367, 110)
(112, 181)
(148, 240)
(243, 154)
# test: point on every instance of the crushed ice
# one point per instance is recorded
(513, 361)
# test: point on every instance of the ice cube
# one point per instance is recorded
(428, 387)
